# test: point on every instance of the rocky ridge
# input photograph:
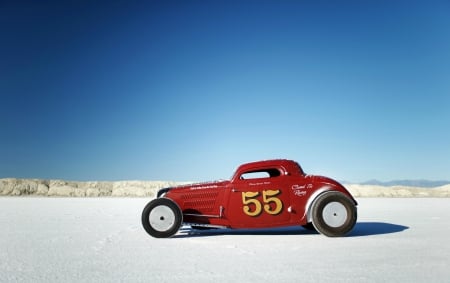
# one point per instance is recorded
(61, 188)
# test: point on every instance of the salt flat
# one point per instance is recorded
(101, 240)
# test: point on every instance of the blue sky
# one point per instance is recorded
(188, 90)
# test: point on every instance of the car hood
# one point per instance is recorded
(195, 186)
(204, 185)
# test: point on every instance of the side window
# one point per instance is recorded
(258, 174)
(254, 175)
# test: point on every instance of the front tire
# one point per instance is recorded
(162, 218)
(334, 214)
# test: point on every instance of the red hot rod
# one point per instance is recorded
(263, 194)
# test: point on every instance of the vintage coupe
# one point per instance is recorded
(263, 194)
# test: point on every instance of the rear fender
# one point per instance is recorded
(311, 200)
(316, 194)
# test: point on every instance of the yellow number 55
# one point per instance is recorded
(268, 197)
(250, 198)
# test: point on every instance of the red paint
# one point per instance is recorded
(280, 199)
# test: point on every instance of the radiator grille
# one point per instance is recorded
(202, 201)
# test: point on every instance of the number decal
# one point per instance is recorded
(249, 198)
(268, 196)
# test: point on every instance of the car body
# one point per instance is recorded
(262, 194)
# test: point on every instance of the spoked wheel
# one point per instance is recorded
(334, 214)
(162, 218)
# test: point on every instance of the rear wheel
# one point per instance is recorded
(333, 214)
(162, 218)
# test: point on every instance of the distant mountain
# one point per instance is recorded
(408, 183)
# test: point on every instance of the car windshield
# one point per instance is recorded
(300, 170)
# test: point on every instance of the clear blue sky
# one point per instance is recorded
(188, 90)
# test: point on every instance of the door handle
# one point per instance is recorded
(235, 191)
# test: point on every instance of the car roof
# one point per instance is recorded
(286, 163)
(267, 162)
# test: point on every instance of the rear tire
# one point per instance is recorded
(162, 218)
(334, 214)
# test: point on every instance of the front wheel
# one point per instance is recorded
(334, 214)
(162, 218)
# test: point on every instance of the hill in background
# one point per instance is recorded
(407, 183)
(61, 188)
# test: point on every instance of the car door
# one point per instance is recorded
(259, 199)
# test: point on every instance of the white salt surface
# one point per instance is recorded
(101, 240)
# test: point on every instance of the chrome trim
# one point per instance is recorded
(205, 225)
(203, 215)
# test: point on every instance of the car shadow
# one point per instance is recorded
(189, 232)
(375, 228)
(361, 229)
